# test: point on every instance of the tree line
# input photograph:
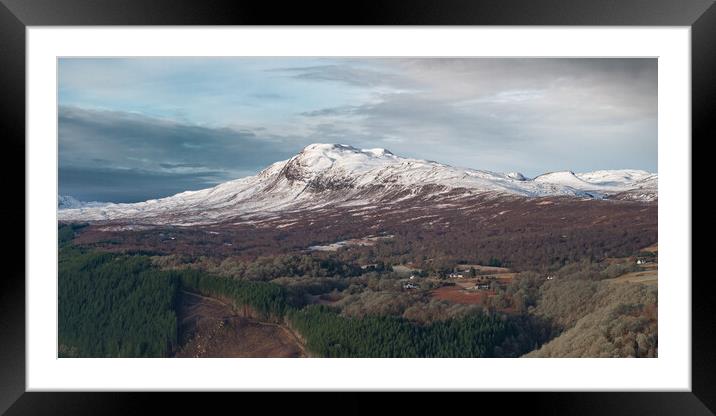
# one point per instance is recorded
(329, 334)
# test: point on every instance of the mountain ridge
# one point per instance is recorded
(324, 174)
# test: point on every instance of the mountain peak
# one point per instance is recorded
(378, 151)
(336, 149)
(328, 147)
(319, 159)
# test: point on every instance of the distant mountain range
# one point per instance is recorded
(336, 175)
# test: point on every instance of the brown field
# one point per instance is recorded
(211, 328)
(457, 294)
(461, 292)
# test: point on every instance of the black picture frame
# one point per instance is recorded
(16, 15)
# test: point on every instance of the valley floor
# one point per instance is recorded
(506, 288)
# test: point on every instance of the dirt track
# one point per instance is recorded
(211, 328)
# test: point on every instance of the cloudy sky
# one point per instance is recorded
(132, 129)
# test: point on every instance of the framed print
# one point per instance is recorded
(441, 198)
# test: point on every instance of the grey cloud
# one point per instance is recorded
(332, 111)
(144, 150)
(347, 74)
(181, 165)
(518, 140)
(128, 185)
(511, 114)
(629, 84)
(420, 118)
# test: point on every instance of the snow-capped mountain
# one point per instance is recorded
(336, 175)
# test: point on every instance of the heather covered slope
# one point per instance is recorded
(601, 319)
(524, 233)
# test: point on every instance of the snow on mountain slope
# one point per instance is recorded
(628, 183)
(624, 178)
(70, 202)
(324, 175)
(517, 176)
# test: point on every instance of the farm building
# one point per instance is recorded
(481, 286)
